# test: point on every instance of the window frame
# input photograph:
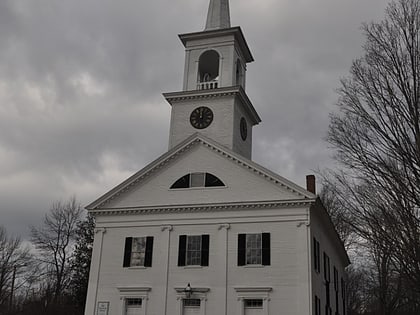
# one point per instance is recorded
(265, 250)
(253, 306)
(191, 252)
(208, 180)
(183, 250)
(128, 252)
(253, 249)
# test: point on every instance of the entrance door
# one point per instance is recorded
(191, 307)
(133, 306)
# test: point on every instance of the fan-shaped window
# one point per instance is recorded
(208, 70)
(197, 180)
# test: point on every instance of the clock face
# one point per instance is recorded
(244, 129)
(201, 117)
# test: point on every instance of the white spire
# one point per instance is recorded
(218, 15)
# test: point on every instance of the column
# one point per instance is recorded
(167, 230)
(95, 267)
(223, 245)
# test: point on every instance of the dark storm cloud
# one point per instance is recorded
(81, 82)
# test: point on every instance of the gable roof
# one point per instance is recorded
(186, 145)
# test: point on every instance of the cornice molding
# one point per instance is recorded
(204, 208)
(235, 31)
(237, 91)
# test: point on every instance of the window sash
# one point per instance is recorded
(253, 303)
(253, 249)
(193, 250)
(138, 251)
(133, 301)
(193, 303)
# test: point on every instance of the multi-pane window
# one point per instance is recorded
(138, 251)
(317, 258)
(197, 180)
(254, 249)
(191, 302)
(193, 250)
(253, 303)
(133, 301)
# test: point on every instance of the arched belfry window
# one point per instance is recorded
(208, 70)
(197, 180)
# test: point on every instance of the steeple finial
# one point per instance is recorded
(218, 15)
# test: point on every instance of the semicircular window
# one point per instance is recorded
(197, 180)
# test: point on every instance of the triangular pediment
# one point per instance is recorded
(244, 181)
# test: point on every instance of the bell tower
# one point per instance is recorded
(213, 100)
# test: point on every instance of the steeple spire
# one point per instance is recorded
(218, 15)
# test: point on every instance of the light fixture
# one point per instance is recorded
(188, 290)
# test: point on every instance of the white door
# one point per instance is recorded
(191, 307)
(133, 311)
(191, 311)
(133, 306)
(253, 307)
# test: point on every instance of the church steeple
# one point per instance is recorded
(218, 15)
(213, 101)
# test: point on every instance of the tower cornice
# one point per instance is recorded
(238, 91)
(217, 33)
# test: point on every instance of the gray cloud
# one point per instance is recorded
(81, 82)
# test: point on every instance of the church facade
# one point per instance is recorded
(203, 229)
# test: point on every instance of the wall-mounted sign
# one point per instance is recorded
(102, 308)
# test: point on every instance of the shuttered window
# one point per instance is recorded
(193, 250)
(254, 249)
(138, 251)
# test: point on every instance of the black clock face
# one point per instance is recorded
(201, 117)
(244, 129)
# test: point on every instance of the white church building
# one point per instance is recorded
(203, 229)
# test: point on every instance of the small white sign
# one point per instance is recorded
(102, 308)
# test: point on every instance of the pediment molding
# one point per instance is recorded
(176, 152)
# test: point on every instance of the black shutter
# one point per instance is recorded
(182, 250)
(205, 242)
(266, 249)
(149, 252)
(241, 249)
(127, 251)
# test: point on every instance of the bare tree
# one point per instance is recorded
(54, 241)
(377, 138)
(14, 261)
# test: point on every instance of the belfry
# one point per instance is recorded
(203, 229)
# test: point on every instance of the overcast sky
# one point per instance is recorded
(81, 81)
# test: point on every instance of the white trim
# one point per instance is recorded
(197, 293)
(205, 207)
(249, 293)
(193, 140)
(127, 292)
